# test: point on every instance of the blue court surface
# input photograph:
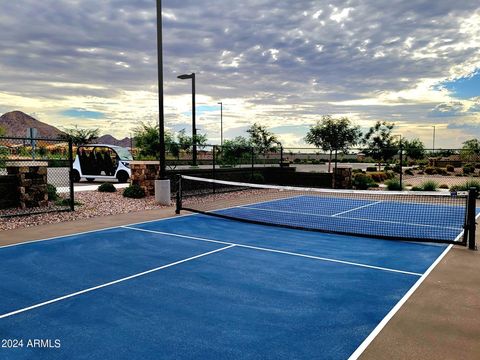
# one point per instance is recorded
(200, 287)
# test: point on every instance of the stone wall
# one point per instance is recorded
(31, 178)
(144, 174)
(342, 178)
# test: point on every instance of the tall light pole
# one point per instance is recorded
(221, 123)
(161, 115)
(433, 145)
(194, 129)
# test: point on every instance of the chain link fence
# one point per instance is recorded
(35, 176)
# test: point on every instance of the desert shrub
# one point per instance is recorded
(357, 171)
(52, 192)
(258, 178)
(134, 191)
(441, 171)
(429, 185)
(443, 186)
(394, 184)
(363, 181)
(468, 169)
(371, 168)
(297, 161)
(378, 176)
(387, 168)
(430, 170)
(107, 187)
(466, 185)
(408, 172)
(450, 168)
(417, 188)
(397, 168)
(66, 202)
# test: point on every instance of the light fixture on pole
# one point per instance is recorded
(221, 123)
(194, 130)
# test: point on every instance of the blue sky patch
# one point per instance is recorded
(83, 114)
(466, 87)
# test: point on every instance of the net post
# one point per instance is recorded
(179, 195)
(70, 172)
(471, 215)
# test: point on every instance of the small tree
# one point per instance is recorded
(414, 149)
(332, 134)
(262, 140)
(80, 136)
(186, 142)
(3, 131)
(470, 150)
(147, 141)
(236, 150)
(381, 144)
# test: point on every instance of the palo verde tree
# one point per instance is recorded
(80, 136)
(262, 140)
(414, 149)
(331, 134)
(470, 150)
(381, 144)
(236, 151)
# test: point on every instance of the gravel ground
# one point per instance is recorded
(94, 204)
(417, 180)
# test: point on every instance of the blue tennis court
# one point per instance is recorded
(198, 286)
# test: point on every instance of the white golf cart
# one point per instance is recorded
(102, 162)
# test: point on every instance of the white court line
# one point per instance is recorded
(397, 307)
(357, 208)
(402, 301)
(352, 218)
(113, 282)
(277, 251)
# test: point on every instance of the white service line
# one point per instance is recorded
(357, 208)
(277, 251)
(113, 282)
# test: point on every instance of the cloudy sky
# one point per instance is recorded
(279, 63)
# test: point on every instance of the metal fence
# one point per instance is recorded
(35, 176)
(396, 167)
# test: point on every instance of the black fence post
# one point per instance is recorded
(179, 195)
(70, 174)
(335, 170)
(214, 160)
(401, 165)
(471, 217)
(253, 160)
(281, 156)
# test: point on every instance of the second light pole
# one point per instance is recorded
(194, 128)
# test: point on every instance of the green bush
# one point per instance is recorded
(468, 169)
(387, 168)
(429, 185)
(466, 186)
(393, 185)
(441, 171)
(107, 187)
(450, 168)
(297, 161)
(371, 168)
(52, 192)
(134, 192)
(417, 188)
(66, 202)
(258, 178)
(379, 176)
(357, 171)
(363, 181)
(408, 172)
(430, 170)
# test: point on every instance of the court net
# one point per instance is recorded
(414, 216)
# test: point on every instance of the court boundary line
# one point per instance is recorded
(349, 218)
(368, 340)
(314, 257)
(143, 273)
(381, 325)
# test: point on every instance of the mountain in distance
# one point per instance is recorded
(16, 124)
(110, 140)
